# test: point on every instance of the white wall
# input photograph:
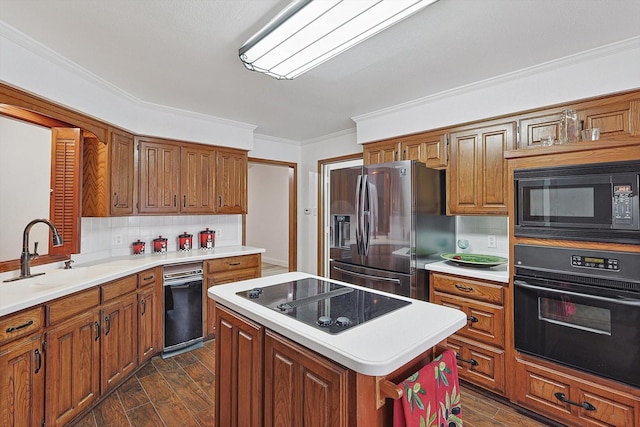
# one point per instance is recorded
(267, 223)
(25, 177)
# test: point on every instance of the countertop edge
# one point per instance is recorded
(26, 293)
(494, 274)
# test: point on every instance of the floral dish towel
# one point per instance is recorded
(431, 396)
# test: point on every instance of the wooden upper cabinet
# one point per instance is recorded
(197, 179)
(538, 126)
(381, 152)
(159, 177)
(108, 175)
(231, 181)
(66, 146)
(477, 172)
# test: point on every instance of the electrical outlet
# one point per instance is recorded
(491, 241)
(117, 239)
(218, 232)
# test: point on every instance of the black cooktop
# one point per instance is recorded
(327, 306)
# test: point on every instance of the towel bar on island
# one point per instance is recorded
(387, 390)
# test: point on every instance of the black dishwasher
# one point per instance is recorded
(183, 306)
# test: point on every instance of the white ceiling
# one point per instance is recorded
(183, 53)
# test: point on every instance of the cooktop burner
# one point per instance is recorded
(327, 306)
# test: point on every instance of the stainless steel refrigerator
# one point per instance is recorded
(387, 221)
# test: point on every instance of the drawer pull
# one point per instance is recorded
(15, 328)
(563, 398)
(148, 278)
(472, 362)
(38, 360)
(234, 263)
(463, 288)
(472, 319)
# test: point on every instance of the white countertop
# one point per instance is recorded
(377, 347)
(25, 293)
(498, 273)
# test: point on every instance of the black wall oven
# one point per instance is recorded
(594, 202)
(579, 308)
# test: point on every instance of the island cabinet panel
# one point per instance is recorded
(574, 399)
(22, 382)
(119, 353)
(239, 373)
(477, 172)
(226, 270)
(480, 345)
(303, 388)
(73, 367)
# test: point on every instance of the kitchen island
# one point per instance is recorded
(303, 373)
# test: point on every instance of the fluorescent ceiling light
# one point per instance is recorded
(308, 32)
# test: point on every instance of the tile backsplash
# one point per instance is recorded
(108, 237)
(477, 229)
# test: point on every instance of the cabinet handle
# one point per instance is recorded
(175, 200)
(144, 307)
(97, 331)
(463, 288)
(563, 398)
(219, 201)
(107, 328)
(38, 360)
(15, 328)
(472, 319)
(472, 362)
(148, 278)
(184, 201)
(116, 198)
(233, 264)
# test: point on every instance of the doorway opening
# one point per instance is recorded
(272, 219)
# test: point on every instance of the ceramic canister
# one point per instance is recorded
(138, 247)
(185, 241)
(160, 244)
(207, 239)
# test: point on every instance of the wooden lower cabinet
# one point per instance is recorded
(119, 353)
(149, 314)
(22, 379)
(226, 270)
(239, 374)
(302, 388)
(575, 401)
(73, 367)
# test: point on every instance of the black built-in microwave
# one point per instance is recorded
(593, 202)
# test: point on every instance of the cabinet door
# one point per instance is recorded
(477, 173)
(159, 173)
(538, 126)
(149, 325)
(380, 152)
(22, 383)
(239, 380)
(231, 182)
(302, 388)
(119, 353)
(615, 120)
(122, 173)
(197, 180)
(73, 367)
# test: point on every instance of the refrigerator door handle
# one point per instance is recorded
(366, 216)
(358, 222)
(368, 276)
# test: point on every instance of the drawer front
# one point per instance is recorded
(233, 263)
(146, 278)
(467, 288)
(480, 365)
(485, 322)
(20, 324)
(68, 306)
(234, 276)
(611, 408)
(119, 287)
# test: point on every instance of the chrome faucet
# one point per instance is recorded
(26, 256)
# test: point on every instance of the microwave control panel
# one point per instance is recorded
(595, 262)
(622, 204)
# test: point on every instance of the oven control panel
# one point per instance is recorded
(595, 262)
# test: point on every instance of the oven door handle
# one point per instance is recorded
(626, 301)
